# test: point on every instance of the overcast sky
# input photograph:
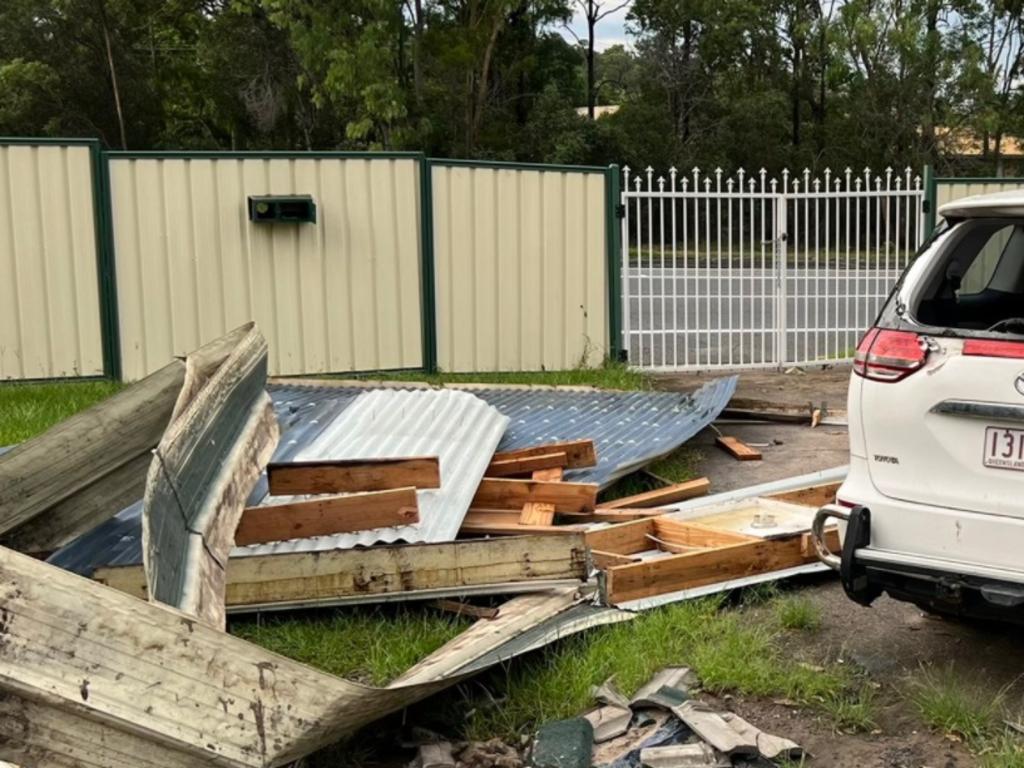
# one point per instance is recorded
(610, 30)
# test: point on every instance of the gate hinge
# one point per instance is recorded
(620, 211)
(926, 205)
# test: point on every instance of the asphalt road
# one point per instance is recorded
(711, 317)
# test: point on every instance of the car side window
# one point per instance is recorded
(982, 269)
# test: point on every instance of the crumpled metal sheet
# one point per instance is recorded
(629, 429)
(460, 429)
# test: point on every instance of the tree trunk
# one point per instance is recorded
(794, 95)
(591, 25)
(485, 76)
(113, 72)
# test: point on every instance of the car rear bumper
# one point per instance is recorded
(945, 586)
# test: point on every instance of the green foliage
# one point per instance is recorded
(952, 704)
(797, 612)
(28, 409)
(610, 375)
(371, 646)
(727, 83)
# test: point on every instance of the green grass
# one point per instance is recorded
(369, 645)
(28, 409)
(729, 649)
(678, 467)
(968, 711)
(797, 612)
(607, 376)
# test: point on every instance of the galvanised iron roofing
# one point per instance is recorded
(629, 429)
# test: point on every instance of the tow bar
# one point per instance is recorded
(858, 536)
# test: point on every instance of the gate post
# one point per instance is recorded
(781, 236)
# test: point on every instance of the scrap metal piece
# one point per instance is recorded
(222, 433)
(668, 688)
(697, 755)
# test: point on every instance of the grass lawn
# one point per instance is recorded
(28, 409)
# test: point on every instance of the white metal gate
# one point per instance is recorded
(751, 271)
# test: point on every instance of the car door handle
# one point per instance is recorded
(976, 409)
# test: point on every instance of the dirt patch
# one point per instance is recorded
(898, 742)
(820, 386)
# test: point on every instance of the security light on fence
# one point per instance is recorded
(282, 208)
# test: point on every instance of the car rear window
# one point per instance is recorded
(976, 280)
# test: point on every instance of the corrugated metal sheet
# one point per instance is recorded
(521, 268)
(458, 428)
(342, 294)
(49, 290)
(629, 429)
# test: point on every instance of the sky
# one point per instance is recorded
(610, 30)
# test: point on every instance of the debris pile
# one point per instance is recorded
(203, 491)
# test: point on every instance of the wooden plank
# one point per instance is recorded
(327, 515)
(537, 513)
(466, 609)
(608, 559)
(500, 493)
(817, 496)
(514, 528)
(737, 448)
(831, 541)
(580, 453)
(353, 475)
(697, 569)
(690, 534)
(623, 539)
(668, 495)
(296, 578)
(505, 517)
(526, 464)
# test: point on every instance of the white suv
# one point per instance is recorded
(933, 504)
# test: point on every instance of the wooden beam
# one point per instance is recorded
(697, 569)
(831, 541)
(526, 464)
(668, 495)
(327, 515)
(580, 453)
(690, 534)
(473, 527)
(537, 513)
(623, 539)
(604, 560)
(498, 493)
(466, 609)
(298, 578)
(816, 496)
(737, 448)
(352, 475)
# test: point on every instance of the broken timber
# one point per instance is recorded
(352, 475)
(498, 493)
(410, 571)
(666, 495)
(92, 677)
(327, 515)
(80, 472)
(221, 435)
(737, 448)
(578, 453)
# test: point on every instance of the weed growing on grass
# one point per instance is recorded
(955, 706)
(797, 612)
(28, 409)
(1005, 751)
(852, 711)
(371, 646)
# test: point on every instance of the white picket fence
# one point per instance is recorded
(748, 271)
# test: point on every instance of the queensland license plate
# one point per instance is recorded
(1004, 448)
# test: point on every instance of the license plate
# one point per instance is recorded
(1004, 448)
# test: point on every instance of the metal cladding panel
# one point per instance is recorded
(629, 429)
(521, 268)
(458, 428)
(948, 191)
(49, 287)
(340, 294)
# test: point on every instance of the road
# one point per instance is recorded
(720, 317)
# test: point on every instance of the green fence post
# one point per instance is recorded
(613, 249)
(930, 200)
(103, 213)
(428, 297)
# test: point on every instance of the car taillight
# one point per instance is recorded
(884, 355)
(989, 348)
